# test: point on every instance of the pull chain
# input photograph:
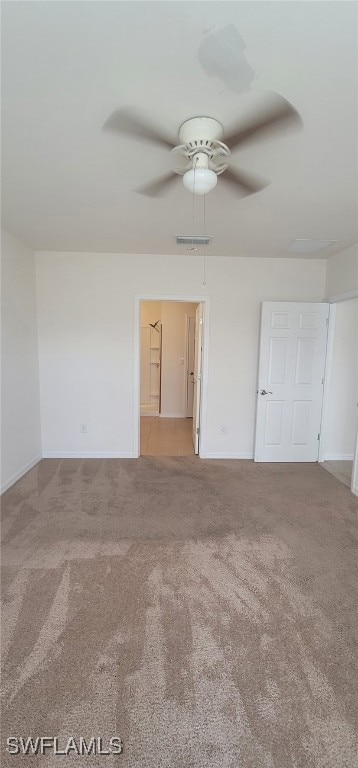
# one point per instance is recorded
(192, 229)
(193, 225)
(204, 233)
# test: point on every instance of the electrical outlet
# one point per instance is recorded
(223, 429)
(83, 429)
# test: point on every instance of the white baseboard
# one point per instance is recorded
(20, 474)
(227, 456)
(172, 416)
(88, 455)
(338, 457)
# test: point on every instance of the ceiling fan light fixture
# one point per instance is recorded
(200, 181)
(201, 143)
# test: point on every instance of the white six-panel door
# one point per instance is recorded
(190, 335)
(291, 377)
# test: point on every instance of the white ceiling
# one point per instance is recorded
(68, 185)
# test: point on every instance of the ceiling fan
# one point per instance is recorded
(201, 143)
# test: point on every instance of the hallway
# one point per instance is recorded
(166, 437)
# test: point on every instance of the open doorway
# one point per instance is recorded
(341, 396)
(169, 377)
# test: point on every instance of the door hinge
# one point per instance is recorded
(318, 436)
(198, 430)
(327, 321)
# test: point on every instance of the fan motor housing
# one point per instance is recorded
(200, 132)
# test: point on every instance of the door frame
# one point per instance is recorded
(205, 301)
(327, 381)
(333, 301)
(354, 481)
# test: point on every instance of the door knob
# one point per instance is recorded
(263, 392)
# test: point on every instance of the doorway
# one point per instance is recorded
(169, 383)
(340, 412)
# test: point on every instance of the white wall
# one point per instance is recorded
(342, 272)
(173, 366)
(86, 341)
(150, 312)
(20, 406)
(342, 412)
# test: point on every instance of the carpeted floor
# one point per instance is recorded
(203, 611)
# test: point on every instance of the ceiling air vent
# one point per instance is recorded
(193, 239)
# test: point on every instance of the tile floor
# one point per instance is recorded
(342, 470)
(166, 437)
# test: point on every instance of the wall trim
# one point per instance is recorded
(172, 416)
(88, 455)
(328, 368)
(221, 455)
(18, 475)
(338, 457)
(354, 483)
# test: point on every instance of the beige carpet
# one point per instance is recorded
(203, 611)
